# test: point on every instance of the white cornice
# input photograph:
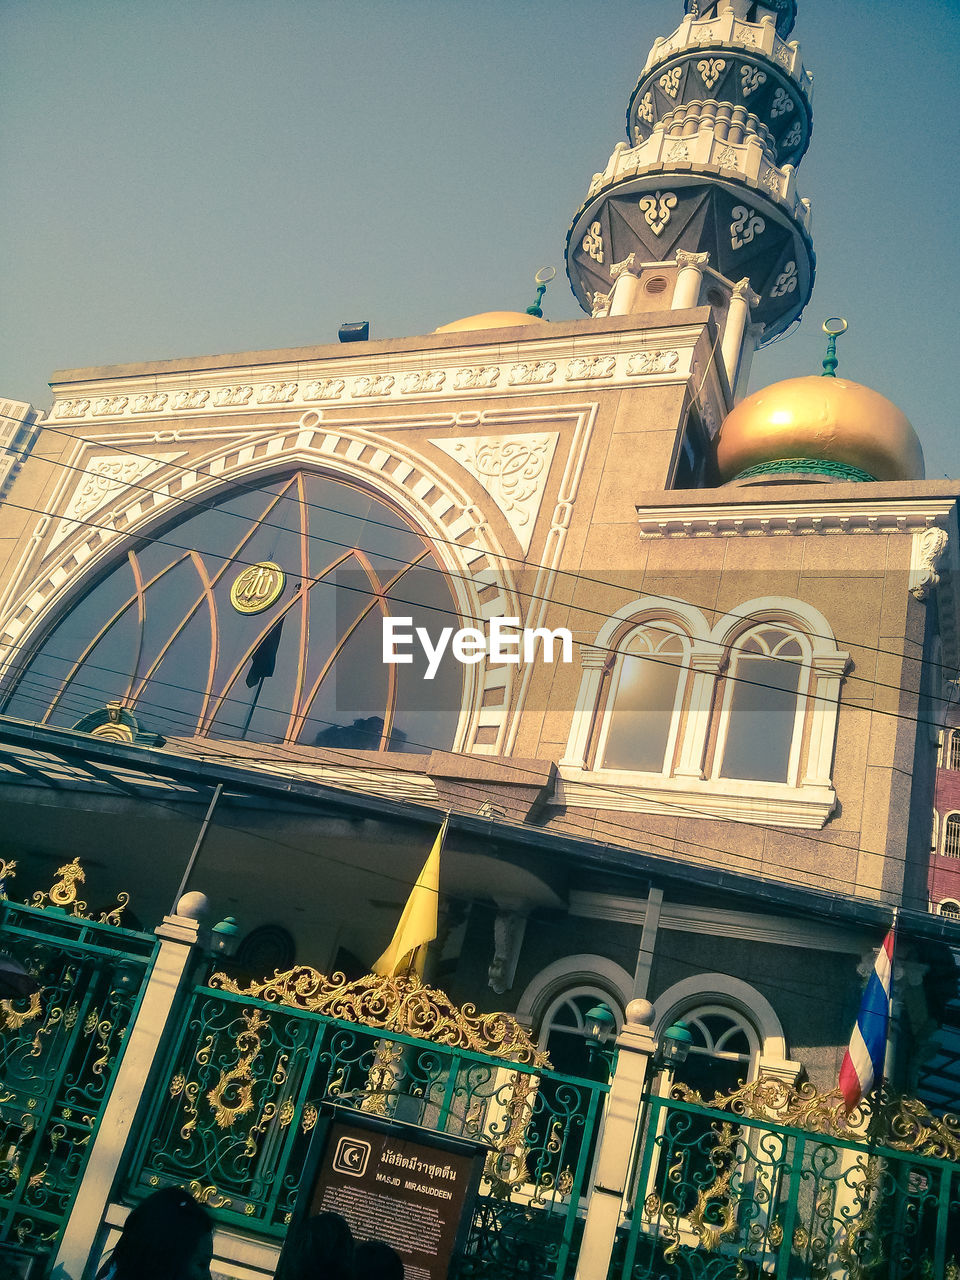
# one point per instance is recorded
(784, 931)
(521, 366)
(766, 515)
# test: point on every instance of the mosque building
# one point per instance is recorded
(225, 584)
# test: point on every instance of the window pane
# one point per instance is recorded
(644, 700)
(763, 711)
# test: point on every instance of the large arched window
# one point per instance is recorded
(725, 1050)
(953, 749)
(563, 1031)
(639, 727)
(184, 633)
(761, 725)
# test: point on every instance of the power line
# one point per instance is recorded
(576, 577)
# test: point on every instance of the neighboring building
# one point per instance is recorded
(944, 884)
(714, 807)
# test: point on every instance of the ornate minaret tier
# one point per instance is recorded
(704, 194)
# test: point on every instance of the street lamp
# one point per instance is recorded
(601, 1024)
(223, 937)
(674, 1046)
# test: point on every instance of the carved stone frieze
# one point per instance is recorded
(512, 469)
(324, 389)
(656, 210)
(71, 408)
(109, 405)
(195, 399)
(424, 380)
(374, 384)
(103, 478)
(476, 377)
(746, 225)
(522, 375)
(642, 362)
(229, 397)
(154, 402)
(277, 393)
(586, 367)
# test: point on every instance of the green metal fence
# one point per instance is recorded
(721, 1194)
(246, 1081)
(59, 1052)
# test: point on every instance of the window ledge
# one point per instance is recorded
(762, 803)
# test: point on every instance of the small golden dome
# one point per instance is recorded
(491, 320)
(819, 419)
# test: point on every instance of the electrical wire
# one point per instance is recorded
(576, 577)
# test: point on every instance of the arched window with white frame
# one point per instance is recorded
(761, 724)
(951, 836)
(564, 1033)
(953, 749)
(639, 726)
(948, 907)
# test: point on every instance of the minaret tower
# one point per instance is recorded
(700, 207)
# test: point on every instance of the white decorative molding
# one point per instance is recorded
(154, 403)
(782, 104)
(195, 399)
(565, 976)
(509, 927)
(230, 397)
(476, 378)
(749, 926)
(109, 405)
(670, 81)
(792, 139)
(656, 209)
(523, 375)
(645, 108)
(886, 515)
(746, 224)
(592, 243)
(644, 362)
(104, 477)
(926, 552)
(421, 381)
(585, 368)
(512, 469)
(71, 408)
(324, 389)
(711, 70)
(373, 384)
(751, 79)
(723, 989)
(277, 393)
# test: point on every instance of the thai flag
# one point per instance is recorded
(863, 1061)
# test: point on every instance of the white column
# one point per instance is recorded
(593, 660)
(751, 341)
(686, 291)
(738, 317)
(704, 669)
(612, 1169)
(177, 935)
(626, 286)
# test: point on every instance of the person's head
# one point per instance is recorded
(321, 1248)
(168, 1236)
(375, 1260)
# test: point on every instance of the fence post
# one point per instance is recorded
(636, 1047)
(177, 935)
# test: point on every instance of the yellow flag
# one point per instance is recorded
(418, 924)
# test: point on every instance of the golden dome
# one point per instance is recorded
(491, 320)
(819, 420)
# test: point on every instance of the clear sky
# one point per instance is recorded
(189, 177)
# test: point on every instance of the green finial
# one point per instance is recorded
(833, 329)
(542, 278)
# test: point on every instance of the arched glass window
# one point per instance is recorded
(724, 1052)
(951, 836)
(167, 632)
(763, 700)
(950, 908)
(646, 690)
(563, 1031)
(953, 752)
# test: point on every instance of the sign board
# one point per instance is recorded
(410, 1187)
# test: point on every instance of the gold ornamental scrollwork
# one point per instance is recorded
(232, 1095)
(257, 587)
(62, 895)
(897, 1122)
(405, 1005)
